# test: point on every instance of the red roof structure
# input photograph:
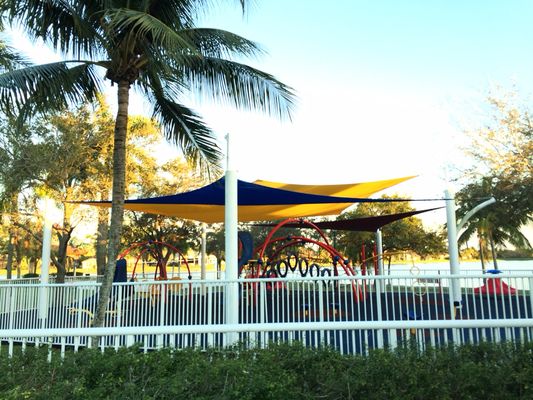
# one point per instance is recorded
(495, 286)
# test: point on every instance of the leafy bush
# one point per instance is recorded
(485, 371)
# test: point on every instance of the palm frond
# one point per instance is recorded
(185, 129)
(183, 13)
(144, 29)
(47, 87)
(10, 59)
(69, 26)
(219, 43)
(149, 81)
(240, 85)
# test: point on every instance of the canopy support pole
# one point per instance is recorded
(231, 246)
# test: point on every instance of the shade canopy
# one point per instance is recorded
(255, 202)
(362, 224)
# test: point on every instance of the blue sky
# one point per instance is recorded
(426, 46)
(385, 88)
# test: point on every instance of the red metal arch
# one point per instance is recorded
(261, 249)
(296, 240)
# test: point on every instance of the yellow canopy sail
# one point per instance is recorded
(361, 190)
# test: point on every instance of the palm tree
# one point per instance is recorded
(152, 46)
(501, 222)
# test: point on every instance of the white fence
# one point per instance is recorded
(350, 314)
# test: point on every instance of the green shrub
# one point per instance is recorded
(484, 371)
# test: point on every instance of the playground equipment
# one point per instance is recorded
(280, 255)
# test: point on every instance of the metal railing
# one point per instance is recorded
(351, 314)
(51, 279)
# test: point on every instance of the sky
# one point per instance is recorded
(384, 88)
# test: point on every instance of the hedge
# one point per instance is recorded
(484, 371)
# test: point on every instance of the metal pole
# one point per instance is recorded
(231, 245)
(379, 284)
(379, 245)
(45, 261)
(453, 249)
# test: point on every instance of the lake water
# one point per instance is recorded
(465, 266)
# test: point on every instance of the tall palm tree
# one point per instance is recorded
(152, 46)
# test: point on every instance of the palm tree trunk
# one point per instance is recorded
(101, 239)
(117, 206)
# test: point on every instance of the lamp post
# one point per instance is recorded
(453, 248)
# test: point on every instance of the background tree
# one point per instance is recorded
(154, 46)
(499, 224)
(69, 145)
(504, 146)
(17, 169)
(67, 156)
(52, 160)
(502, 155)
